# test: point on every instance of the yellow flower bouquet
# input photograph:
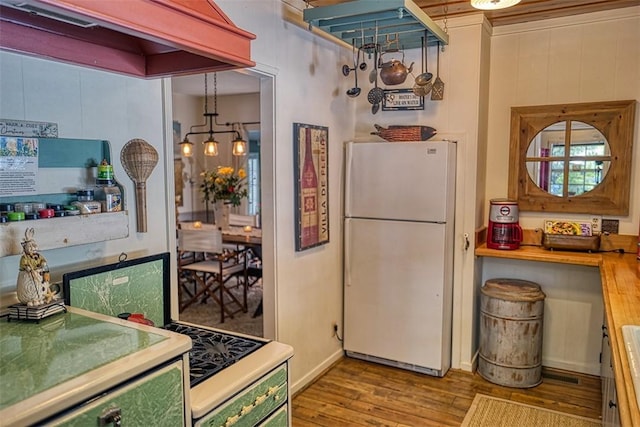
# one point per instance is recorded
(224, 184)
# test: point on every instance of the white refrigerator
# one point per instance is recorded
(398, 270)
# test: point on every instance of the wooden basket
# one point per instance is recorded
(571, 243)
(139, 158)
(399, 133)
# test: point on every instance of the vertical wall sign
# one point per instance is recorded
(311, 185)
(18, 166)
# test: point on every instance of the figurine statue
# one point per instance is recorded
(33, 277)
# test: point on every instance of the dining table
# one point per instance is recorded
(243, 235)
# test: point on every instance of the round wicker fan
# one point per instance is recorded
(139, 158)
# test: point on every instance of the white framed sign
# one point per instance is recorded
(401, 100)
(26, 128)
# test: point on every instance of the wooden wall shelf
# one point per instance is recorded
(64, 232)
(64, 166)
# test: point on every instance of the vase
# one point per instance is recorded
(221, 210)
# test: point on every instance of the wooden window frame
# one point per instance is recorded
(614, 119)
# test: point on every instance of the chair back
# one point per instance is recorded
(203, 240)
(242, 220)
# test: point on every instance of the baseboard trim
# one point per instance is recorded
(317, 372)
(583, 368)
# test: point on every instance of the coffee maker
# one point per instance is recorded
(504, 229)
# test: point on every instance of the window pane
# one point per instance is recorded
(557, 151)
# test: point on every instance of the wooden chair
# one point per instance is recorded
(242, 220)
(212, 275)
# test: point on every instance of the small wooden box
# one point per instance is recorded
(571, 243)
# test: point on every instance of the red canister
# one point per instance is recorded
(46, 213)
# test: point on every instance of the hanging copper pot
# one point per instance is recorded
(394, 72)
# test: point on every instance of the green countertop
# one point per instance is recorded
(35, 357)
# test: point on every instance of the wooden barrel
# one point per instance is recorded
(511, 314)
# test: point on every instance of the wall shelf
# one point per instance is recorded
(54, 233)
(64, 166)
(362, 22)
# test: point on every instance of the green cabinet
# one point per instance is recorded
(156, 399)
(72, 368)
(253, 405)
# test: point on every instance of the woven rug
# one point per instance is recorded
(487, 411)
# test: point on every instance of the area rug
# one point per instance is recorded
(208, 314)
(487, 411)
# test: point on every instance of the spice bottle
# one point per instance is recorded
(107, 192)
(85, 202)
(110, 198)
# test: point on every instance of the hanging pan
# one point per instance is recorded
(422, 84)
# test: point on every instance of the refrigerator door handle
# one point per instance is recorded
(347, 256)
(347, 180)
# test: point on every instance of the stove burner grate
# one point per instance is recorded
(213, 351)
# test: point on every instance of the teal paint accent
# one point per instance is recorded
(156, 401)
(66, 153)
(360, 22)
(72, 153)
(37, 356)
(134, 289)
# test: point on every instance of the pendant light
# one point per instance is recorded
(239, 145)
(211, 145)
(493, 4)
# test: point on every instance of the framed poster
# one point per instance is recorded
(401, 100)
(311, 185)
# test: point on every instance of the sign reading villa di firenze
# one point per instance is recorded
(311, 185)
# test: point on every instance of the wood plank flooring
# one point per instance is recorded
(356, 393)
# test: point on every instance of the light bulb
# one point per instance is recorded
(239, 147)
(211, 147)
(186, 147)
(493, 4)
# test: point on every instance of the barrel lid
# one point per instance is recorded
(512, 290)
(503, 202)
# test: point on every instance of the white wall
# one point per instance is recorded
(308, 89)
(588, 58)
(311, 89)
(593, 57)
(188, 111)
(95, 105)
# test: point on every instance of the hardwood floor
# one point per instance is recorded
(355, 393)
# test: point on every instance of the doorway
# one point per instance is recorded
(246, 85)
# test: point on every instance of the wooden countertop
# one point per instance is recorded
(620, 276)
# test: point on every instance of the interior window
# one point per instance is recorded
(253, 174)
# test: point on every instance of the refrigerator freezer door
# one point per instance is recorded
(412, 181)
(398, 291)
